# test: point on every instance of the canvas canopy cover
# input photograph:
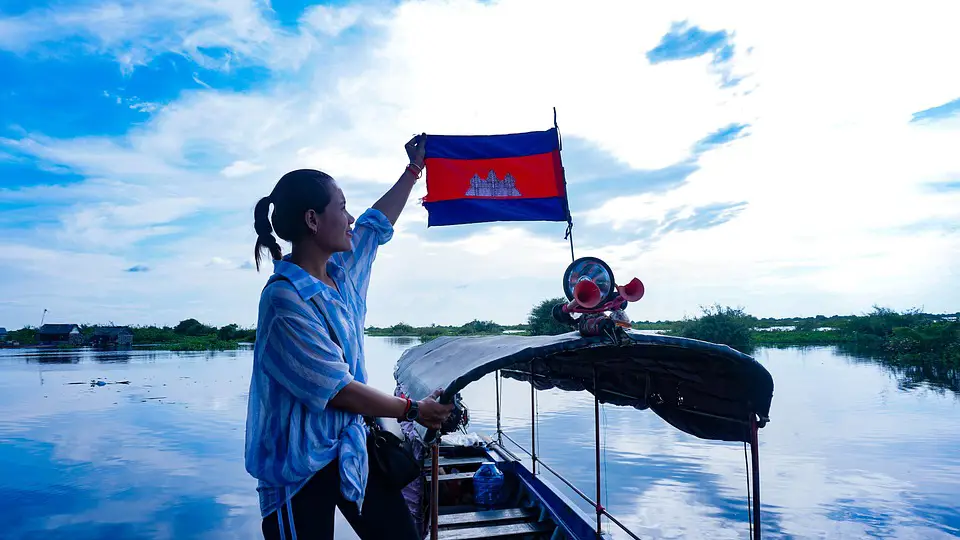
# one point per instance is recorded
(707, 390)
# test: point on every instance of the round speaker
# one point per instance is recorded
(590, 269)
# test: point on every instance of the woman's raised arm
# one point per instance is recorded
(392, 202)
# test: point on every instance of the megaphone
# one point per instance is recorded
(587, 293)
(632, 291)
(590, 288)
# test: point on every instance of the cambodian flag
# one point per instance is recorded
(484, 178)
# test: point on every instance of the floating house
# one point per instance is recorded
(59, 334)
(107, 336)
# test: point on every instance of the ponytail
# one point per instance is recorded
(295, 193)
(265, 238)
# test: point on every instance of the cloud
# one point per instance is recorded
(703, 217)
(240, 168)
(591, 170)
(138, 268)
(331, 20)
(209, 32)
(663, 179)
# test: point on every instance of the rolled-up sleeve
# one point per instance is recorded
(301, 357)
(371, 230)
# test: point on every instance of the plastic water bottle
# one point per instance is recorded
(487, 484)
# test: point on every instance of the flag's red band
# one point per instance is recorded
(529, 177)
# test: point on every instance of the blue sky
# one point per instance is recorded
(787, 162)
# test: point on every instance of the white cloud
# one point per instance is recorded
(331, 20)
(241, 168)
(134, 33)
(833, 175)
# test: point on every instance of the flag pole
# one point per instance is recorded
(569, 234)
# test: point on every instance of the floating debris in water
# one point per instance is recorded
(99, 382)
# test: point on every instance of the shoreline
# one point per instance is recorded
(761, 337)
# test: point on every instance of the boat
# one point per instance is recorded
(705, 389)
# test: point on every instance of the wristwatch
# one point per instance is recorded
(413, 411)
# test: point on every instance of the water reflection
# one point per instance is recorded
(403, 341)
(911, 372)
(850, 451)
(115, 356)
(58, 359)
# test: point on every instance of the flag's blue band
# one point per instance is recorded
(463, 211)
(492, 146)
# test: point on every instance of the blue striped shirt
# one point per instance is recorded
(291, 431)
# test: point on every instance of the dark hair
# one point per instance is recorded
(295, 193)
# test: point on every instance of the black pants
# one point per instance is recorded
(385, 514)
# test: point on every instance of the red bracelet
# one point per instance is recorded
(407, 408)
(417, 173)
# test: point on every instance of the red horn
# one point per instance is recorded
(587, 294)
(632, 291)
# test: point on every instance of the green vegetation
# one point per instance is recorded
(192, 335)
(541, 321)
(911, 338)
(726, 325)
(25, 336)
(801, 337)
(426, 333)
(188, 335)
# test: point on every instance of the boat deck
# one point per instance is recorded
(523, 514)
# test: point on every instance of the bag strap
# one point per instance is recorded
(332, 331)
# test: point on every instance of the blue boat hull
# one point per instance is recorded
(530, 507)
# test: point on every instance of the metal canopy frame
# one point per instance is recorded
(597, 504)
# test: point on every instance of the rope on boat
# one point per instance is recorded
(496, 380)
(755, 461)
(746, 465)
(606, 487)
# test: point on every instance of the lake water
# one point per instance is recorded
(851, 450)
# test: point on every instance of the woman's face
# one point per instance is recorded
(332, 229)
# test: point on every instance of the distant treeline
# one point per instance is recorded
(910, 335)
(188, 335)
(472, 328)
(192, 335)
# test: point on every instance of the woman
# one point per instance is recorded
(305, 439)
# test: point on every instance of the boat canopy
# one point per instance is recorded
(708, 390)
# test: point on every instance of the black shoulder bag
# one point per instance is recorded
(385, 451)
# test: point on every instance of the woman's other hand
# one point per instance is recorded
(416, 149)
(433, 413)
